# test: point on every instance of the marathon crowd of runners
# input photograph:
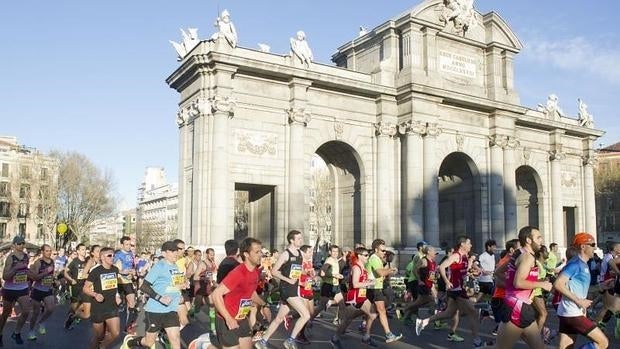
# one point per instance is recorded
(239, 293)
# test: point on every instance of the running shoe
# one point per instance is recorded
(335, 342)
(32, 335)
(495, 330)
(391, 337)
(371, 342)
(261, 344)
(17, 337)
(362, 327)
(420, 325)
(439, 325)
(336, 321)
(42, 329)
(290, 344)
(453, 337)
(479, 343)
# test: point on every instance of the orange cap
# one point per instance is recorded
(583, 239)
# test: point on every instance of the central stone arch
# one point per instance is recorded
(345, 188)
(459, 199)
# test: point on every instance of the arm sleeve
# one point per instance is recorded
(147, 288)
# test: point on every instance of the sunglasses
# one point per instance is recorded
(108, 255)
(592, 244)
(364, 254)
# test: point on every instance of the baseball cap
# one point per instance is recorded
(583, 239)
(19, 240)
(169, 246)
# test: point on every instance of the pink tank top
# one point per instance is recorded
(520, 294)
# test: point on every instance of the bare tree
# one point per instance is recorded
(321, 192)
(84, 192)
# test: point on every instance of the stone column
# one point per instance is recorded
(413, 193)
(431, 189)
(510, 190)
(496, 186)
(222, 108)
(385, 131)
(557, 213)
(298, 119)
(588, 191)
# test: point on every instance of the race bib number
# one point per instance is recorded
(295, 272)
(48, 281)
(308, 285)
(81, 275)
(178, 279)
(20, 278)
(432, 276)
(361, 293)
(109, 281)
(245, 305)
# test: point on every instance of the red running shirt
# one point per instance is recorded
(242, 284)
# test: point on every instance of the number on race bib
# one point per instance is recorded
(295, 272)
(109, 281)
(245, 305)
(20, 278)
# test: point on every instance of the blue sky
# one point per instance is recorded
(89, 75)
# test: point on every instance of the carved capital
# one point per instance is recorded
(299, 116)
(512, 143)
(412, 127)
(557, 155)
(338, 130)
(385, 129)
(433, 130)
(498, 141)
(181, 117)
(589, 160)
(221, 104)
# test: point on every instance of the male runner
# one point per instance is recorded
(124, 261)
(75, 276)
(42, 276)
(102, 286)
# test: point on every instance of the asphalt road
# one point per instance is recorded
(78, 338)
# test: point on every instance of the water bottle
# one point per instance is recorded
(212, 319)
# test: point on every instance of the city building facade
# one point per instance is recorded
(608, 192)
(28, 193)
(156, 214)
(418, 122)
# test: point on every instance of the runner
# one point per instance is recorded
(42, 275)
(458, 263)
(357, 303)
(573, 283)
(196, 270)
(330, 287)
(288, 270)
(102, 286)
(75, 276)
(426, 278)
(378, 272)
(521, 280)
(163, 285)
(305, 287)
(485, 281)
(15, 289)
(185, 297)
(124, 261)
(500, 310)
(234, 297)
(94, 260)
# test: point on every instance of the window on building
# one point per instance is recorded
(5, 189)
(328, 228)
(24, 191)
(311, 208)
(5, 209)
(26, 172)
(610, 222)
(328, 209)
(40, 211)
(5, 170)
(2, 230)
(40, 232)
(44, 173)
(23, 210)
(22, 230)
(312, 227)
(610, 204)
(43, 192)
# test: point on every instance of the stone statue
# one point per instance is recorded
(551, 110)
(226, 29)
(460, 12)
(264, 47)
(363, 31)
(585, 118)
(300, 48)
(190, 40)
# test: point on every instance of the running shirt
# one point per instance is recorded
(500, 292)
(105, 282)
(47, 282)
(19, 281)
(242, 284)
(166, 280)
(305, 280)
(335, 269)
(76, 270)
(357, 295)
(59, 263)
(542, 275)
(458, 271)
(211, 271)
(372, 265)
(292, 267)
(606, 274)
(428, 273)
(578, 275)
(227, 265)
(513, 293)
(124, 260)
